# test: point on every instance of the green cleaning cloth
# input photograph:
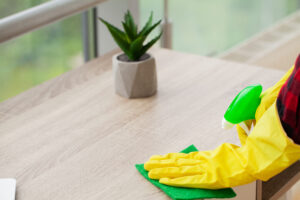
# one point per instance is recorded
(178, 193)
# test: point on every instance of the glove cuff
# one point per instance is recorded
(270, 147)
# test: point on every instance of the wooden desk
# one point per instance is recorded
(72, 138)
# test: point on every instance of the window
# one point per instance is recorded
(210, 27)
(201, 27)
(40, 55)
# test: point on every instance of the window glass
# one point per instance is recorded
(39, 55)
(210, 27)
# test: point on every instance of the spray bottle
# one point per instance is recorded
(243, 108)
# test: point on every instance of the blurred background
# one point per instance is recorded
(201, 27)
(209, 28)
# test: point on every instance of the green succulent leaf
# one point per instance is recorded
(130, 23)
(129, 35)
(118, 35)
(147, 25)
(146, 33)
(130, 40)
(149, 44)
(136, 47)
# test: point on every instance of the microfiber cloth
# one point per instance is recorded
(178, 193)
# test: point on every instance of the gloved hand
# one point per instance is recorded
(266, 152)
(268, 97)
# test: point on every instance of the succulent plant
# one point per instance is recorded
(131, 41)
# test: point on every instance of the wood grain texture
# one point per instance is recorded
(72, 138)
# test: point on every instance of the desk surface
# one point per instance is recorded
(72, 138)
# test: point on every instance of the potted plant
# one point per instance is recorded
(134, 69)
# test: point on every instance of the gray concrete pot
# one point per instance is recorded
(135, 79)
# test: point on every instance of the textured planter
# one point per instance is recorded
(135, 79)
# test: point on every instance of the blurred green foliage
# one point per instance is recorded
(40, 55)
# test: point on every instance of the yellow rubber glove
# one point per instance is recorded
(268, 97)
(266, 152)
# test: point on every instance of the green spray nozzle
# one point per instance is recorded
(243, 107)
